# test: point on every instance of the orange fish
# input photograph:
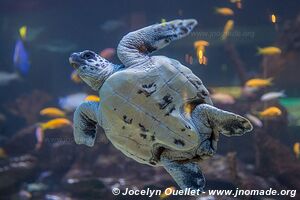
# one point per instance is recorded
(51, 124)
(202, 60)
(52, 112)
(258, 82)
(270, 112)
(200, 48)
(224, 11)
(55, 123)
(200, 56)
(92, 98)
(227, 29)
(269, 51)
(273, 18)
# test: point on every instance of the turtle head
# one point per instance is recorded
(92, 68)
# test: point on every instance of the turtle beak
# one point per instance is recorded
(75, 60)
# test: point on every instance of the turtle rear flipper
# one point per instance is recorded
(85, 122)
(186, 175)
(135, 46)
(220, 121)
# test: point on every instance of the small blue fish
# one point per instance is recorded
(21, 59)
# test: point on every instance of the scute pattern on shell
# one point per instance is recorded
(142, 107)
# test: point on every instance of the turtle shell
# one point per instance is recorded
(143, 109)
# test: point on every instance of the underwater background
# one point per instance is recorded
(38, 156)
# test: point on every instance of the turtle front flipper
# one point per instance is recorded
(85, 121)
(186, 175)
(135, 46)
(220, 121)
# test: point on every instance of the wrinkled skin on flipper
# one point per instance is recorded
(211, 122)
(221, 121)
(85, 121)
(135, 47)
(186, 175)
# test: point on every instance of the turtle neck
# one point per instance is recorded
(104, 74)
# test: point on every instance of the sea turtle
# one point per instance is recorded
(152, 108)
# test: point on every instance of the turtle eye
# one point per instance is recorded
(88, 55)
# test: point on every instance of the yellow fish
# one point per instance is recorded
(258, 83)
(200, 47)
(296, 149)
(55, 123)
(270, 112)
(225, 11)
(23, 32)
(2, 153)
(200, 54)
(51, 124)
(269, 51)
(201, 58)
(227, 28)
(168, 191)
(92, 98)
(273, 18)
(52, 112)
